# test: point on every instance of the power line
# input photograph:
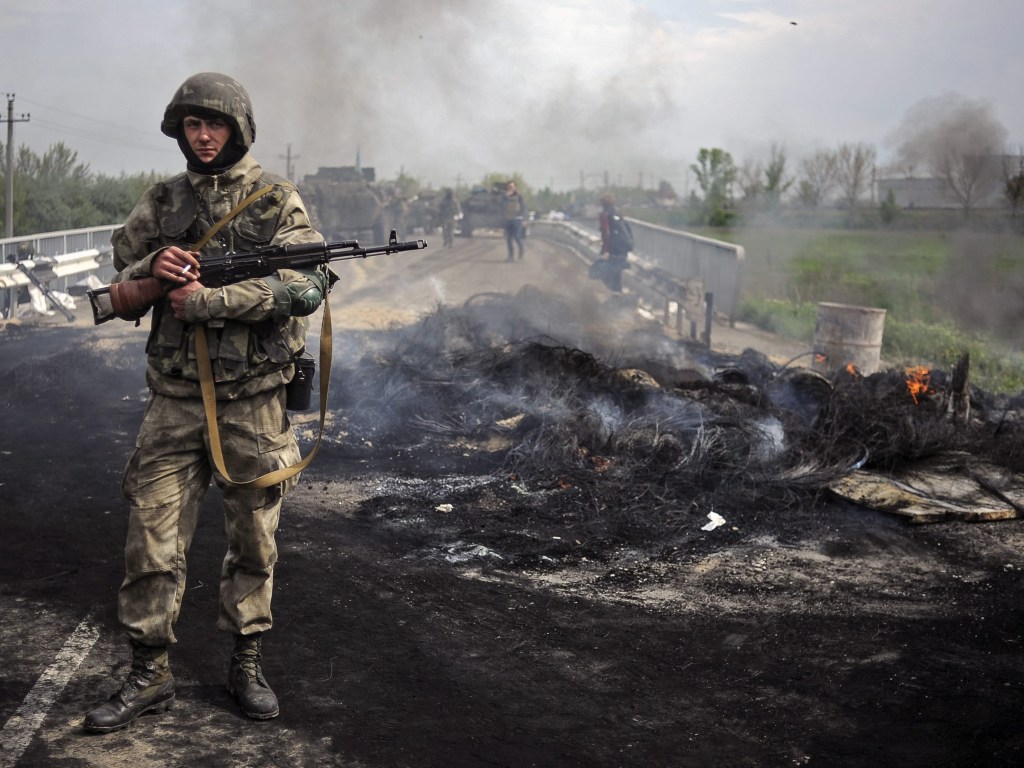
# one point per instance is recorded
(99, 131)
(112, 140)
(118, 126)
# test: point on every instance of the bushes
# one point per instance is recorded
(993, 366)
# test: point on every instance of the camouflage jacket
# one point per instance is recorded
(252, 348)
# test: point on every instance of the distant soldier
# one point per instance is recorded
(448, 212)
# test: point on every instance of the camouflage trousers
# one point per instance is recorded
(165, 483)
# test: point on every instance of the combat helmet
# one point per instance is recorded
(212, 92)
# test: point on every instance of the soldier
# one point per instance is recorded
(255, 330)
(448, 212)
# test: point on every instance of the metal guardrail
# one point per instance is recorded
(47, 269)
(685, 256)
(689, 276)
(669, 262)
(56, 259)
(56, 243)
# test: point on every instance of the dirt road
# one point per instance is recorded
(436, 608)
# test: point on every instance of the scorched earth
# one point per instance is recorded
(540, 531)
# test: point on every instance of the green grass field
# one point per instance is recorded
(944, 293)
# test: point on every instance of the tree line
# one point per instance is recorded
(54, 191)
(953, 140)
(847, 177)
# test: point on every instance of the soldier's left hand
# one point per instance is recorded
(179, 295)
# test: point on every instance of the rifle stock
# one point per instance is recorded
(132, 299)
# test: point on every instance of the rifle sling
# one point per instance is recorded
(209, 391)
(210, 405)
(230, 215)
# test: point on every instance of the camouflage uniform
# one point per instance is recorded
(448, 211)
(252, 345)
(255, 330)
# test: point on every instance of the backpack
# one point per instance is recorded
(620, 234)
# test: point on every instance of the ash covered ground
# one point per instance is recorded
(500, 555)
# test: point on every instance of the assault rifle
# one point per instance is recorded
(131, 299)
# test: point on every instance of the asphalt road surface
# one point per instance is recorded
(433, 611)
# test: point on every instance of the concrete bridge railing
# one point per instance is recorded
(685, 256)
(669, 267)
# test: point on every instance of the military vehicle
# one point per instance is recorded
(483, 209)
(422, 215)
(345, 202)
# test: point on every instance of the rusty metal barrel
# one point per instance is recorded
(848, 335)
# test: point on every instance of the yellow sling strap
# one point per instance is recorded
(210, 405)
(209, 391)
(230, 215)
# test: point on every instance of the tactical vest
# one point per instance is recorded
(241, 354)
(512, 206)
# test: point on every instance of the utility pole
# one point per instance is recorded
(11, 120)
(289, 169)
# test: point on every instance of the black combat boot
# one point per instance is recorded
(245, 679)
(149, 688)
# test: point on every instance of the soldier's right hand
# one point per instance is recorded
(176, 265)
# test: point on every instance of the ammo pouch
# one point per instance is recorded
(299, 390)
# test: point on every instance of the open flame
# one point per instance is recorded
(852, 369)
(918, 379)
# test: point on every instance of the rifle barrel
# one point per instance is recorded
(216, 271)
(306, 254)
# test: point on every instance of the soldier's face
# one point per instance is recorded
(206, 137)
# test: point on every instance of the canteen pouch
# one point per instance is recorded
(299, 391)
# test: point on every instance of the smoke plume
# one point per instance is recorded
(436, 91)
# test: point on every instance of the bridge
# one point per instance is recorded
(682, 278)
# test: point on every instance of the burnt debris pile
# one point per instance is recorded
(647, 429)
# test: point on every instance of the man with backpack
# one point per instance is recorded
(616, 243)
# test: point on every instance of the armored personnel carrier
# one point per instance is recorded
(345, 202)
(482, 209)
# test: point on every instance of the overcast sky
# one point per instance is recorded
(557, 90)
